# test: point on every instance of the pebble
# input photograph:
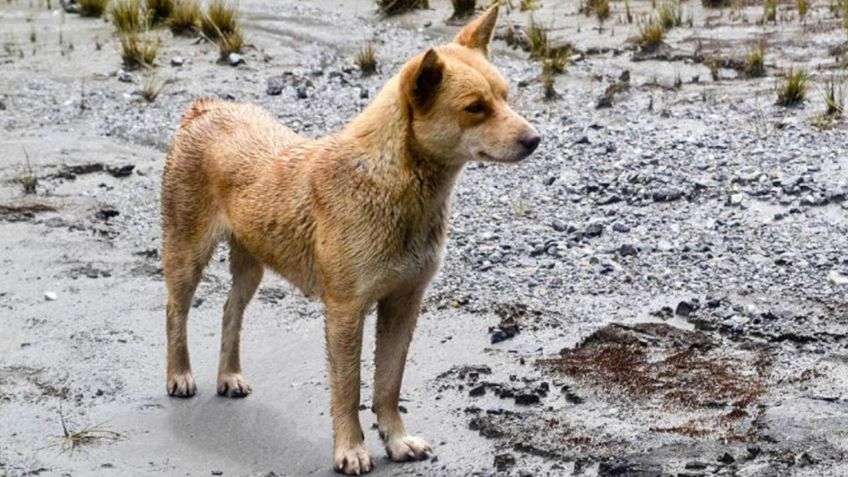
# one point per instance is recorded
(235, 59)
(126, 77)
(50, 296)
(275, 86)
(837, 278)
(177, 61)
(301, 92)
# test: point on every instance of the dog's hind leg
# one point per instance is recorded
(247, 274)
(396, 318)
(183, 262)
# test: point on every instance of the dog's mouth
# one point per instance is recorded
(484, 156)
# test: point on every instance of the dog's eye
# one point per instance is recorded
(475, 108)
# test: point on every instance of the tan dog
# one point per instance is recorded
(357, 218)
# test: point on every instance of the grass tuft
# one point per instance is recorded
(92, 8)
(159, 10)
(366, 60)
(396, 7)
(463, 8)
(803, 8)
(528, 5)
(793, 89)
(126, 16)
(537, 36)
(28, 180)
(153, 87)
(651, 35)
(139, 51)
(231, 42)
(755, 61)
(769, 11)
(185, 19)
(834, 97)
(670, 14)
(71, 440)
(221, 19)
(602, 10)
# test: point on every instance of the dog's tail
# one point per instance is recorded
(197, 109)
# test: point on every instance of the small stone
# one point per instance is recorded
(735, 199)
(837, 278)
(582, 140)
(50, 296)
(726, 458)
(620, 228)
(177, 61)
(735, 323)
(477, 391)
(499, 335)
(235, 59)
(684, 309)
(275, 86)
(217, 472)
(126, 77)
(301, 92)
(753, 451)
(363, 93)
(559, 225)
(526, 399)
(593, 230)
(627, 250)
(504, 461)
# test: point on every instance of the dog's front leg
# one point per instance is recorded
(396, 318)
(344, 348)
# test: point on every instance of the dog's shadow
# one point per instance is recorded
(248, 433)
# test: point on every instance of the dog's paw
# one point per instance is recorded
(407, 447)
(181, 385)
(353, 460)
(233, 385)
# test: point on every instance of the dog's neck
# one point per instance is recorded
(383, 136)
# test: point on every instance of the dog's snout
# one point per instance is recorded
(530, 142)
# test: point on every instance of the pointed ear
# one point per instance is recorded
(477, 35)
(421, 80)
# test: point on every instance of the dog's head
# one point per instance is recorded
(458, 101)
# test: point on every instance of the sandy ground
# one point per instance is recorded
(705, 211)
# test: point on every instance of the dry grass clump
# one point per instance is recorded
(528, 5)
(366, 60)
(232, 42)
(602, 10)
(153, 87)
(537, 37)
(71, 440)
(126, 16)
(139, 51)
(221, 19)
(834, 97)
(651, 35)
(793, 89)
(670, 14)
(396, 7)
(463, 8)
(549, 93)
(755, 61)
(803, 8)
(159, 10)
(185, 19)
(92, 8)
(769, 11)
(28, 180)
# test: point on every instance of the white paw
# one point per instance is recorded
(233, 385)
(407, 447)
(352, 460)
(181, 385)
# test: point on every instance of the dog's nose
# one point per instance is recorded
(530, 142)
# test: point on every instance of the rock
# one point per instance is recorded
(526, 399)
(726, 458)
(50, 296)
(363, 93)
(620, 228)
(177, 61)
(735, 200)
(684, 309)
(106, 214)
(559, 225)
(594, 229)
(126, 77)
(275, 86)
(627, 250)
(753, 451)
(121, 171)
(504, 461)
(735, 323)
(301, 92)
(582, 140)
(666, 195)
(235, 59)
(837, 278)
(477, 391)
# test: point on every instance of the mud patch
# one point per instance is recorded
(685, 369)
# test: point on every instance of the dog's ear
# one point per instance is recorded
(421, 80)
(477, 35)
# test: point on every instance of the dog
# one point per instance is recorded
(357, 218)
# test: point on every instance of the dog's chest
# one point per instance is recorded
(420, 246)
